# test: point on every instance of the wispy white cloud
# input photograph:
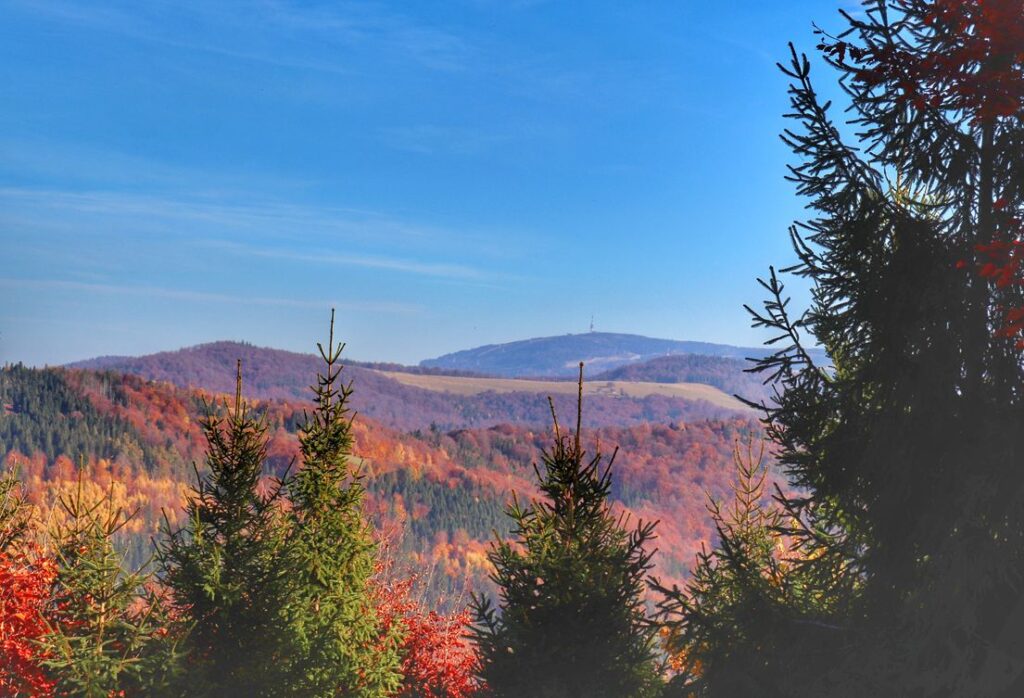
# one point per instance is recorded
(509, 5)
(306, 234)
(337, 39)
(733, 42)
(199, 214)
(89, 166)
(199, 296)
(430, 139)
(254, 31)
(450, 271)
(363, 24)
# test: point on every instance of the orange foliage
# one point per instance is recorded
(661, 471)
(438, 660)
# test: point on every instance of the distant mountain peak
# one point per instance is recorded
(558, 356)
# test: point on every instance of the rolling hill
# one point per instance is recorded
(559, 356)
(410, 398)
(727, 374)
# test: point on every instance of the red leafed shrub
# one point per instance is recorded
(438, 661)
(1003, 266)
(25, 582)
(1004, 269)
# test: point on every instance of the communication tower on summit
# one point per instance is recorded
(591, 323)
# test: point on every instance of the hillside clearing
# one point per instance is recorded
(460, 385)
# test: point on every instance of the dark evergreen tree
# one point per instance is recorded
(223, 568)
(44, 413)
(337, 643)
(907, 452)
(741, 598)
(571, 618)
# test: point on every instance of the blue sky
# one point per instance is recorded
(447, 174)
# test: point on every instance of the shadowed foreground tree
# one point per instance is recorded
(741, 598)
(223, 570)
(571, 619)
(908, 453)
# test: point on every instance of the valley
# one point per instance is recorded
(441, 454)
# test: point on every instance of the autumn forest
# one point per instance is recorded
(840, 514)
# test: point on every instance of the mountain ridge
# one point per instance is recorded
(274, 374)
(559, 355)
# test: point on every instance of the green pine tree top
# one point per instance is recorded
(338, 643)
(571, 619)
(108, 633)
(223, 567)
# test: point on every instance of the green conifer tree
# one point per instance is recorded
(108, 633)
(15, 513)
(741, 597)
(337, 643)
(571, 618)
(223, 568)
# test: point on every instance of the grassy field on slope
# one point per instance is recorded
(461, 385)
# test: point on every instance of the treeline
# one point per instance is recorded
(445, 489)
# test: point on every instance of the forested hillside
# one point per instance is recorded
(447, 489)
(229, 521)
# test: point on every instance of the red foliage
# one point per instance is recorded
(969, 61)
(25, 582)
(972, 63)
(1004, 268)
(438, 661)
